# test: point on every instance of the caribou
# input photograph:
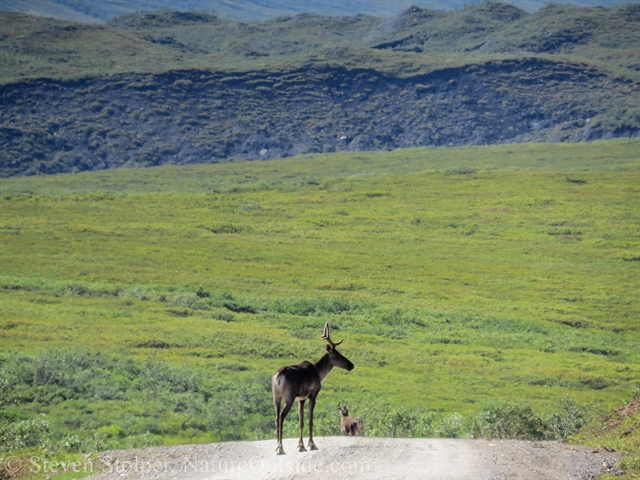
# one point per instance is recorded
(350, 426)
(303, 382)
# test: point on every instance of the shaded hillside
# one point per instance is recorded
(91, 11)
(172, 87)
(196, 116)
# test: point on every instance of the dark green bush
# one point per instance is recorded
(518, 420)
(236, 367)
(567, 418)
(225, 317)
(578, 181)
(313, 306)
(461, 171)
(508, 420)
(34, 432)
(225, 228)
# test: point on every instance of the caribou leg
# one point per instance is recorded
(277, 403)
(312, 404)
(280, 421)
(301, 415)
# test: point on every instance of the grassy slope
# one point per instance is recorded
(535, 276)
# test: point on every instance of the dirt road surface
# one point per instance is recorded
(361, 458)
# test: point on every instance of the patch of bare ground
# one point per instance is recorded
(364, 458)
(615, 419)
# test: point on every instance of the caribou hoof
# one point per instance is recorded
(280, 450)
(312, 446)
(301, 448)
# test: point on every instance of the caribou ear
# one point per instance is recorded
(328, 348)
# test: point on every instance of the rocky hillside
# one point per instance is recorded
(493, 74)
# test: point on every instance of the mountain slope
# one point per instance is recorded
(87, 10)
(194, 116)
(172, 87)
(417, 40)
(47, 8)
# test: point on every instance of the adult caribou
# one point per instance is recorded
(303, 382)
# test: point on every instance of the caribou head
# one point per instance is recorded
(335, 358)
(344, 409)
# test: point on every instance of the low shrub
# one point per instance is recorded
(518, 420)
(507, 420)
(313, 306)
(578, 181)
(452, 426)
(461, 171)
(34, 432)
(565, 420)
(236, 367)
(225, 317)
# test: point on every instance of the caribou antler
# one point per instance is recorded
(327, 336)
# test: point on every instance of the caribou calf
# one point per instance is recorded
(303, 382)
(350, 426)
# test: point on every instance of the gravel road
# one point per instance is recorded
(361, 458)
